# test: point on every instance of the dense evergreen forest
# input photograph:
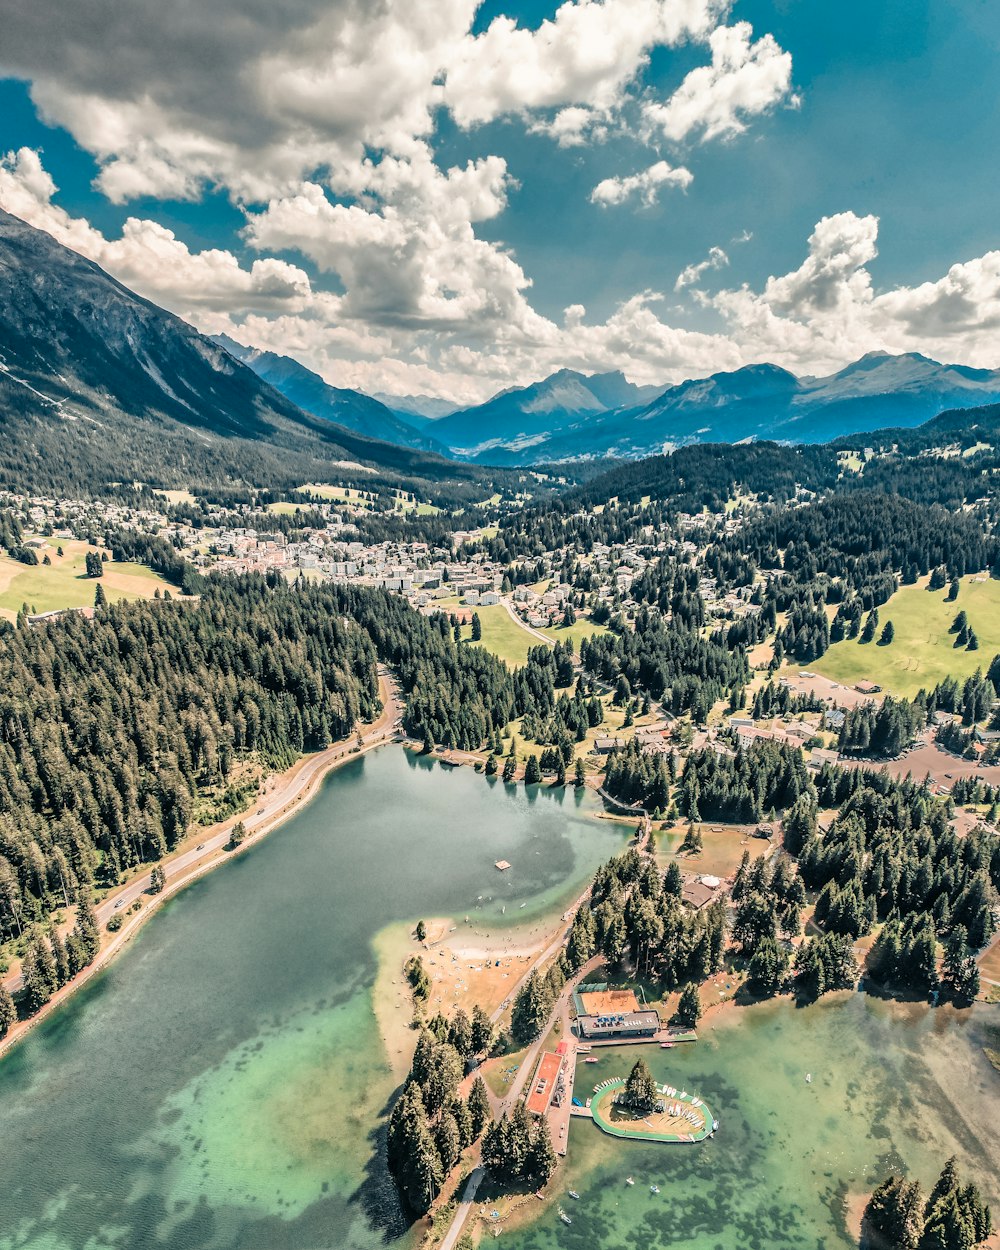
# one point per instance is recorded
(708, 475)
(113, 730)
(888, 857)
(669, 659)
(117, 732)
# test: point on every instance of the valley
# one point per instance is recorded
(689, 695)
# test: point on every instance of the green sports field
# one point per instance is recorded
(922, 652)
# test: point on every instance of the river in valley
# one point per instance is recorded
(221, 1085)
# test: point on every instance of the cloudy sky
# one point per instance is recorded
(447, 197)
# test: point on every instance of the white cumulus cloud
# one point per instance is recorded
(646, 185)
(150, 258)
(745, 78)
(690, 275)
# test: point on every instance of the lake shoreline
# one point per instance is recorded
(284, 798)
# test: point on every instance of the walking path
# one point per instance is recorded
(559, 1010)
(528, 629)
(289, 794)
(463, 1209)
(548, 953)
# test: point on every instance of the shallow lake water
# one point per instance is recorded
(894, 1087)
(222, 1084)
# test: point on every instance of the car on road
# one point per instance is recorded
(200, 846)
(119, 903)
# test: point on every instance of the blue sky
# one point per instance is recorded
(294, 188)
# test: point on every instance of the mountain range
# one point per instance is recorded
(570, 417)
(349, 408)
(514, 424)
(100, 386)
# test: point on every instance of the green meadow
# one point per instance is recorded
(922, 651)
(64, 583)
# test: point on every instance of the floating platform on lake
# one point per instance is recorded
(502, 864)
(643, 1128)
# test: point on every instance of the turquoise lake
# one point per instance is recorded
(222, 1084)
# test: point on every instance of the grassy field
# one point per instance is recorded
(722, 848)
(64, 583)
(336, 494)
(176, 496)
(922, 651)
(510, 641)
(576, 633)
(502, 635)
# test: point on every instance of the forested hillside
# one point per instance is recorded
(115, 730)
(111, 728)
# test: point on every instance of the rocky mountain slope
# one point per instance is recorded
(98, 386)
(756, 402)
(352, 409)
(516, 422)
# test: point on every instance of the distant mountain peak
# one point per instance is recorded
(312, 393)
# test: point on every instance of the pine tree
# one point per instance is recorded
(447, 1140)
(481, 1031)
(541, 1160)
(460, 1032)
(640, 1088)
(768, 968)
(38, 972)
(532, 1005)
(60, 958)
(463, 1121)
(8, 1014)
(478, 1103)
(689, 1006)
(85, 929)
(895, 1212)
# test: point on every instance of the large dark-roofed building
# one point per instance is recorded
(627, 1024)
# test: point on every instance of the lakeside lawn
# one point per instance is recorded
(722, 847)
(64, 583)
(922, 652)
